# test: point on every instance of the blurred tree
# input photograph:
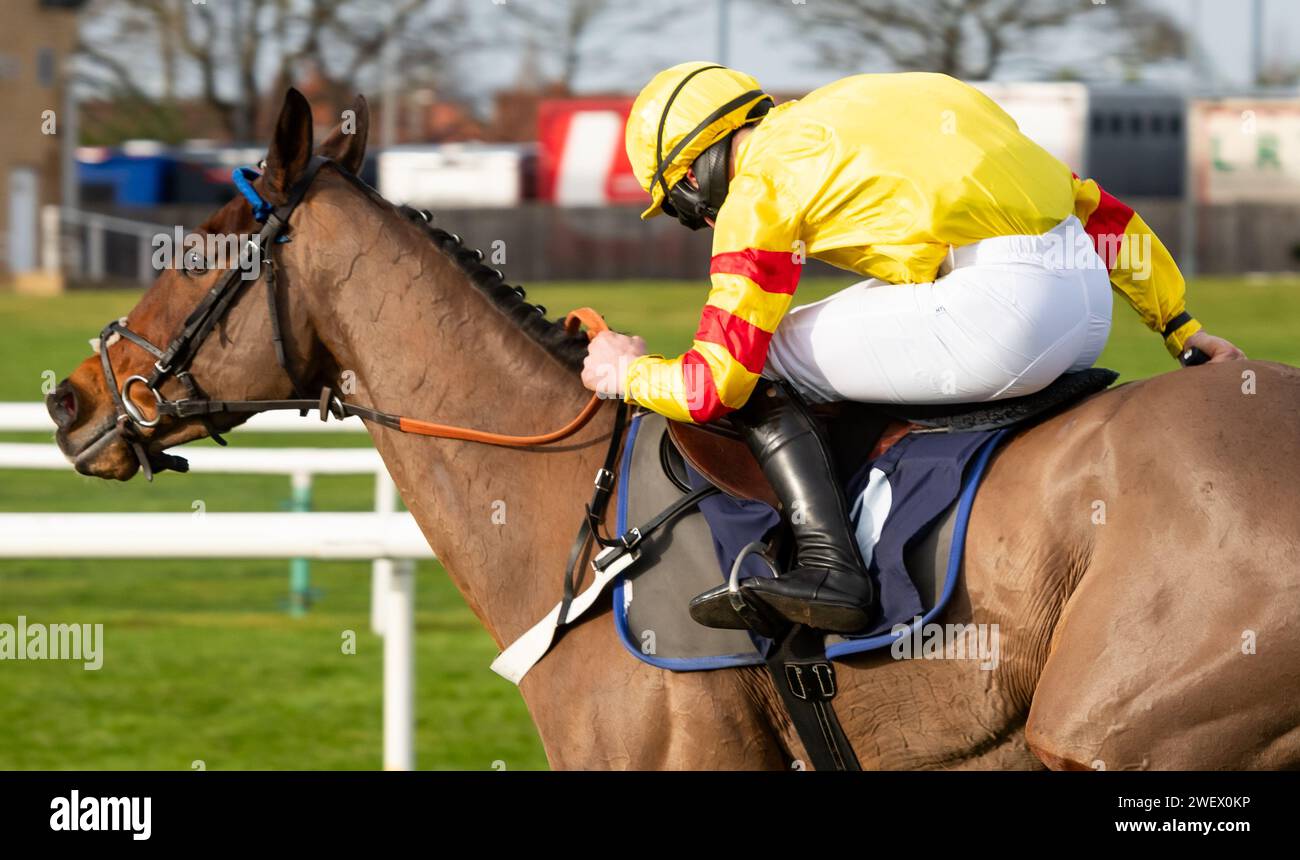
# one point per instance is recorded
(570, 36)
(235, 57)
(1279, 74)
(971, 39)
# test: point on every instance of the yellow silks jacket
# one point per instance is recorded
(881, 175)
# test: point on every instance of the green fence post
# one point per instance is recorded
(300, 568)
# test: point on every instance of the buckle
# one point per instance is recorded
(623, 551)
(822, 672)
(604, 480)
(605, 556)
(825, 675)
(616, 557)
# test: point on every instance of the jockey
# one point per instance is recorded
(989, 270)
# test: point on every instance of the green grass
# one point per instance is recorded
(202, 663)
(201, 660)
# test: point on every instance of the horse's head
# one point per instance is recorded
(107, 412)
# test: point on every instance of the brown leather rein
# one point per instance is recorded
(573, 321)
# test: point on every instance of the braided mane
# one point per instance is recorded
(568, 349)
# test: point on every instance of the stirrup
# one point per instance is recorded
(729, 607)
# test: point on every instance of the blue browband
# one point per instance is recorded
(244, 178)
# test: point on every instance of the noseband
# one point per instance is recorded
(174, 361)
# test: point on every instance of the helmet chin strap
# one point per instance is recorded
(694, 204)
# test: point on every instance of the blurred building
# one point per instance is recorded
(1137, 141)
(1245, 173)
(37, 39)
(1131, 139)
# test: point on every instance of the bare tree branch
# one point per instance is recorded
(233, 54)
(973, 39)
(578, 34)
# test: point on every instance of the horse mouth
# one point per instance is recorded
(103, 454)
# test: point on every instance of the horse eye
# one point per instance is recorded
(195, 264)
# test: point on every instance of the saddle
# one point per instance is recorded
(718, 453)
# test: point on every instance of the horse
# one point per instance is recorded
(1137, 551)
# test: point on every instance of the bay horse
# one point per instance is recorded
(1138, 552)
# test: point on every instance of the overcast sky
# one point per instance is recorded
(764, 43)
(764, 40)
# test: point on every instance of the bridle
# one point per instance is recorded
(175, 359)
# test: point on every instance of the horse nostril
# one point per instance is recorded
(62, 405)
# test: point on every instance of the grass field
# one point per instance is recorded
(203, 663)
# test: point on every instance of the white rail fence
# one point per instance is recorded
(389, 538)
(32, 418)
(86, 250)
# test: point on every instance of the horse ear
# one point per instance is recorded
(291, 146)
(346, 145)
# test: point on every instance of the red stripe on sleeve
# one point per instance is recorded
(746, 342)
(1106, 226)
(773, 271)
(701, 392)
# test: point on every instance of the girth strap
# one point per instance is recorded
(805, 679)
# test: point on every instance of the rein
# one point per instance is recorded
(175, 359)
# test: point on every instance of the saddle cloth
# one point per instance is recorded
(909, 510)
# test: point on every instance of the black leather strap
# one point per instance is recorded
(670, 459)
(605, 478)
(629, 540)
(635, 536)
(273, 313)
(579, 548)
(595, 512)
(805, 678)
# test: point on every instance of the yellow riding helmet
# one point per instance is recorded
(679, 114)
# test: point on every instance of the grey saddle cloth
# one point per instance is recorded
(680, 561)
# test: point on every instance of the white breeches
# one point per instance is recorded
(1011, 314)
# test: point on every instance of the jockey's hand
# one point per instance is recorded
(608, 357)
(1216, 348)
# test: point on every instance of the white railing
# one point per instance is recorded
(389, 538)
(32, 418)
(90, 257)
(336, 536)
(244, 461)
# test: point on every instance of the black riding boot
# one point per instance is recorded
(827, 587)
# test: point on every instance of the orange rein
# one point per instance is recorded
(573, 322)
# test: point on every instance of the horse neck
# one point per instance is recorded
(422, 341)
